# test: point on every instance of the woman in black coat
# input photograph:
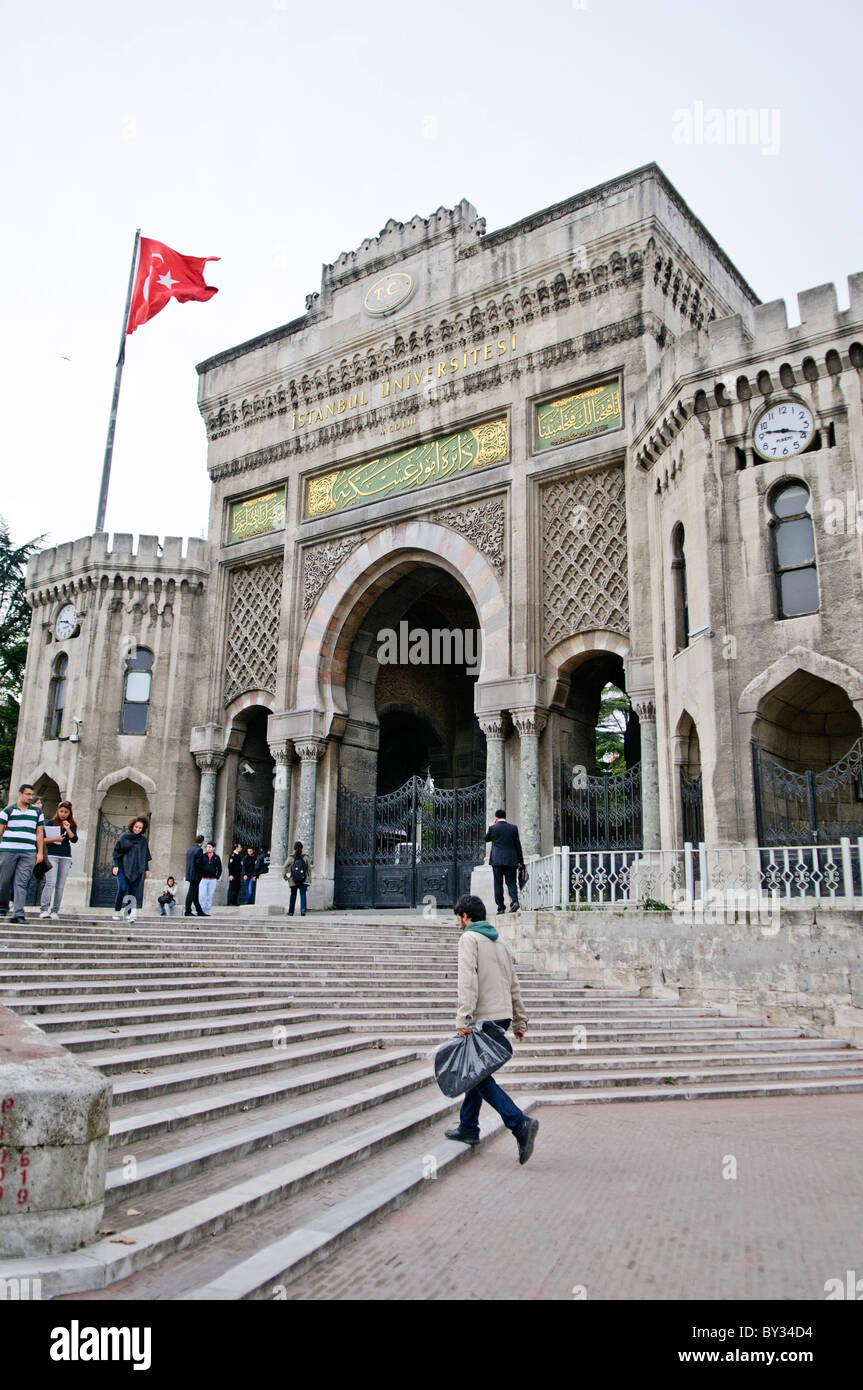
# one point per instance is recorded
(131, 865)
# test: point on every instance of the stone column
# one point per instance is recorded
(645, 708)
(530, 724)
(309, 751)
(209, 765)
(281, 805)
(493, 727)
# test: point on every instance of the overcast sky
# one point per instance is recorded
(277, 134)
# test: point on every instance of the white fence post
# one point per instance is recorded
(564, 877)
(847, 871)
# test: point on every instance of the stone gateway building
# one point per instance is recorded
(484, 476)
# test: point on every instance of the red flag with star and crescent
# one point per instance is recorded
(164, 274)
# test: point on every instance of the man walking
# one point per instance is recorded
(506, 859)
(211, 872)
(194, 860)
(22, 845)
(488, 989)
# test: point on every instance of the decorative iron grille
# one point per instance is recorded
(799, 808)
(601, 812)
(418, 843)
(692, 797)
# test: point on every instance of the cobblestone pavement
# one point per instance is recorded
(630, 1201)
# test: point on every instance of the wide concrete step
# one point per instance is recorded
(673, 1062)
(202, 1071)
(677, 1074)
(187, 1010)
(163, 1161)
(136, 1034)
(165, 1113)
(191, 1213)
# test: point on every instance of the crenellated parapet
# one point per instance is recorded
(400, 239)
(732, 364)
(88, 565)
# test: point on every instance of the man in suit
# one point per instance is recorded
(506, 859)
(194, 860)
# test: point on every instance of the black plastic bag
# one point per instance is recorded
(461, 1063)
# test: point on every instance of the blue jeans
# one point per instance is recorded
(127, 889)
(295, 889)
(249, 885)
(493, 1095)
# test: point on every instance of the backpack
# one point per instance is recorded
(298, 871)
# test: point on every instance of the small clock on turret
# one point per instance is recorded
(66, 623)
(784, 430)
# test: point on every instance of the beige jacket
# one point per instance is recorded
(487, 984)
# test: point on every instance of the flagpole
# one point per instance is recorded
(109, 443)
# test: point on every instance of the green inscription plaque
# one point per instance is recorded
(578, 416)
(257, 515)
(408, 468)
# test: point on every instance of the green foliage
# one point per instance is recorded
(14, 632)
(610, 729)
(653, 905)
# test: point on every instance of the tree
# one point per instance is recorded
(14, 633)
(610, 728)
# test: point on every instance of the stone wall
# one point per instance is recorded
(54, 1114)
(801, 968)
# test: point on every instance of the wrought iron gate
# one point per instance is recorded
(415, 843)
(103, 889)
(804, 808)
(249, 823)
(692, 798)
(601, 812)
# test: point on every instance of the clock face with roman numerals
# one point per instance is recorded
(784, 430)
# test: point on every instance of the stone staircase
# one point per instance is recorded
(273, 1085)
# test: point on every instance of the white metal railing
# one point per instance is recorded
(699, 877)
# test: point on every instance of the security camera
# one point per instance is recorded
(245, 768)
(76, 737)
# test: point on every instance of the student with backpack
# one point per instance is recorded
(298, 875)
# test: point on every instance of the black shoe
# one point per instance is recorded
(463, 1138)
(515, 907)
(525, 1138)
(500, 908)
(20, 921)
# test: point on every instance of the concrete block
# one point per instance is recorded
(54, 1115)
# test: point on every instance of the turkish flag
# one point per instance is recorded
(164, 274)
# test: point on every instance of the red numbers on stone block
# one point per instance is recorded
(6, 1104)
(22, 1196)
(25, 1159)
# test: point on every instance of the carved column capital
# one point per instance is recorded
(493, 725)
(309, 750)
(209, 762)
(281, 754)
(529, 721)
(645, 708)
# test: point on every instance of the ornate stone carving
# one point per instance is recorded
(493, 726)
(584, 559)
(645, 707)
(210, 762)
(320, 564)
(483, 525)
(529, 722)
(253, 628)
(310, 750)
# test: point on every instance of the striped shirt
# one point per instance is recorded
(19, 835)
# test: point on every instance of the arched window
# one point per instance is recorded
(57, 696)
(793, 551)
(681, 604)
(136, 692)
